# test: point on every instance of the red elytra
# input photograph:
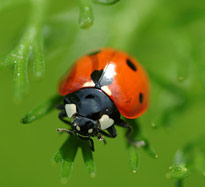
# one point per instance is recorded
(129, 89)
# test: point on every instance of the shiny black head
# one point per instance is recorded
(84, 127)
(91, 110)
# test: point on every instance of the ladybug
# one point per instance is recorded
(101, 87)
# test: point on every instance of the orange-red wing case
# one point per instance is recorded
(128, 85)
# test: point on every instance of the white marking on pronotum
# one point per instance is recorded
(70, 109)
(90, 131)
(107, 90)
(105, 122)
(89, 84)
(77, 128)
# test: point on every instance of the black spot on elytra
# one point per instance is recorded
(141, 98)
(100, 79)
(94, 53)
(95, 76)
(131, 65)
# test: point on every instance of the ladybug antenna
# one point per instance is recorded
(66, 130)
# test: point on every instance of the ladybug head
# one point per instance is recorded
(84, 127)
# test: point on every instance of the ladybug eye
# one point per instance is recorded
(90, 131)
(70, 109)
(105, 122)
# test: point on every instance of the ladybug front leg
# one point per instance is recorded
(123, 124)
(130, 131)
(112, 132)
(62, 115)
(60, 107)
(91, 144)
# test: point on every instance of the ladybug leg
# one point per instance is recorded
(138, 143)
(123, 124)
(91, 144)
(112, 132)
(101, 138)
(62, 115)
(60, 106)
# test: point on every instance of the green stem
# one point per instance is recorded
(88, 158)
(37, 19)
(66, 155)
(134, 141)
(86, 17)
(42, 109)
(179, 183)
(133, 157)
(106, 2)
(183, 54)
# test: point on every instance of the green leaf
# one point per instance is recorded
(30, 42)
(135, 140)
(149, 149)
(38, 58)
(57, 157)
(42, 109)
(166, 84)
(133, 157)
(67, 153)
(179, 183)
(183, 55)
(88, 158)
(199, 162)
(189, 158)
(178, 171)
(86, 17)
(106, 2)
(183, 68)
(20, 59)
(174, 102)
(66, 156)
(167, 114)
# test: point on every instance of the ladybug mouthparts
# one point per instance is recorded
(84, 127)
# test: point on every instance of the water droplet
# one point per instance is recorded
(185, 169)
(156, 156)
(153, 125)
(64, 180)
(86, 15)
(92, 175)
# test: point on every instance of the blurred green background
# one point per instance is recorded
(166, 36)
